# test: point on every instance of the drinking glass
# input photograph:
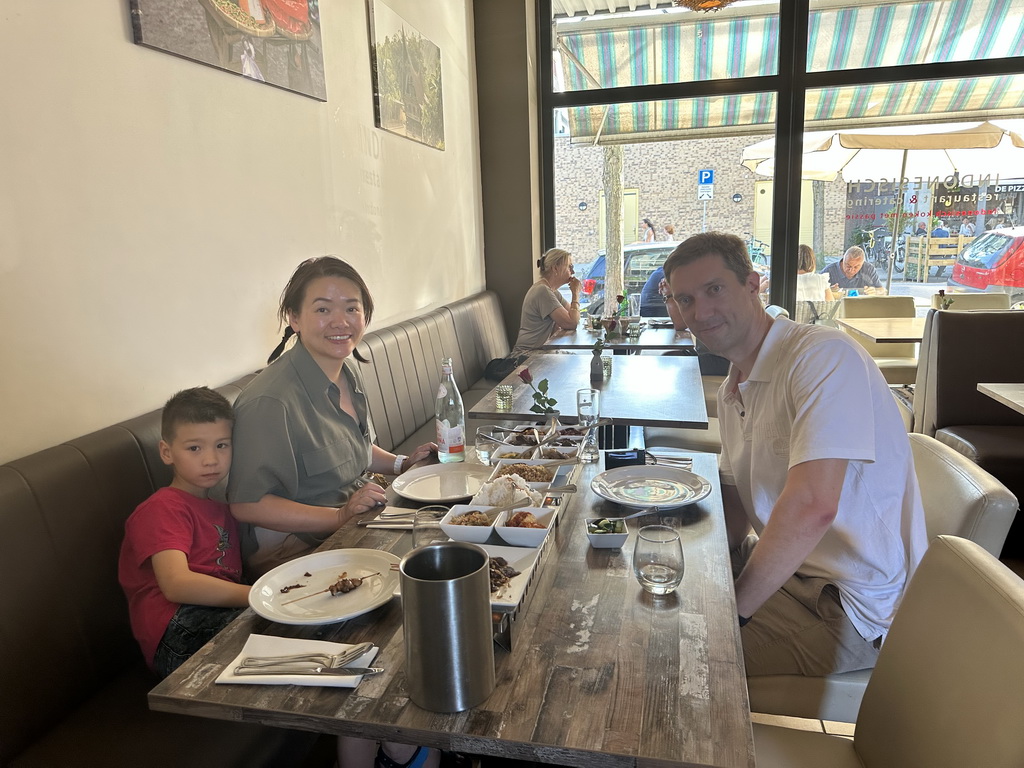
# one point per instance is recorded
(588, 411)
(634, 305)
(606, 365)
(485, 445)
(503, 397)
(658, 559)
(426, 525)
(588, 406)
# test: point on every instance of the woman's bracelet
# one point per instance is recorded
(399, 461)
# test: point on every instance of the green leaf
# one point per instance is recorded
(537, 409)
(543, 386)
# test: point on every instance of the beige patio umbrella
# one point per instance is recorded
(965, 152)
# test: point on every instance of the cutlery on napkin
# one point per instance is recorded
(268, 645)
(395, 518)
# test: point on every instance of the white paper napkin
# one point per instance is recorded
(392, 523)
(268, 645)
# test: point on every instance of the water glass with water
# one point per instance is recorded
(634, 305)
(426, 525)
(485, 443)
(658, 559)
(588, 411)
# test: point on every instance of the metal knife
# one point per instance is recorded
(302, 670)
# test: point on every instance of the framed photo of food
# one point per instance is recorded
(406, 68)
(271, 41)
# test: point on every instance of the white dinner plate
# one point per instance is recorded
(325, 568)
(442, 482)
(646, 486)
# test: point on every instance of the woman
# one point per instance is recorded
(302, 437)
(647, 231)
(544, 309)
(810, 285)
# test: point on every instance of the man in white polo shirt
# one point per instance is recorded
(815, 460)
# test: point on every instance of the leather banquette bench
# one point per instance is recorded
(72, 679)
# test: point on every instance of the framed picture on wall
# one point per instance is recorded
(272, 41)
(406, 70)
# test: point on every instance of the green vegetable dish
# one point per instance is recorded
(604, 525)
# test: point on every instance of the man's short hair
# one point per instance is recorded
(199, 405)
(854, 252)
(731, 248)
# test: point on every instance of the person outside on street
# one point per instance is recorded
(852, 272)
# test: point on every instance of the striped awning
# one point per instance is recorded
(684, 47)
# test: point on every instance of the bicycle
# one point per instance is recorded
(758, 249)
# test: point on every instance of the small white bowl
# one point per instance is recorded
(525, 537)
(500, 451)
(606, 540)
(501, 464)
(476, 534)
(563, 451)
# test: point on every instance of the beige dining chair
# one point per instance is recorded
(960, 499)
(898, 362)
(947, 691)
(967, 301)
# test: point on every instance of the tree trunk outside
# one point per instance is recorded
(613, 278)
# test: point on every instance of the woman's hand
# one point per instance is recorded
(423, 454)
(369, 497)
(574, 286)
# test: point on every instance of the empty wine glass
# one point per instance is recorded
(658, 559)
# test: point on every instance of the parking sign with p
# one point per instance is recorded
(706, 176)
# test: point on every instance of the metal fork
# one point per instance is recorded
(321, 659)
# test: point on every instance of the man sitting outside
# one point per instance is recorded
(852, 272)
(941, 231)
(815, 459)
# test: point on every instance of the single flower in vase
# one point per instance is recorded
(611, 327)
(542, 403)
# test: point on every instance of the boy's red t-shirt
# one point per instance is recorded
(173, 519)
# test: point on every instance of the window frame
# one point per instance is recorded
(789, 87)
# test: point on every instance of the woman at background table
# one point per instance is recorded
(544, 309)
(303, 437)
(810, 285)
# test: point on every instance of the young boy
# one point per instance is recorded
(180, 564)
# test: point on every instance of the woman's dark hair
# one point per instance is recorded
(648, 223)
(295, 293)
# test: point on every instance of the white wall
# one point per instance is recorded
(152, 208)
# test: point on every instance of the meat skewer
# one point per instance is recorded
(340, 587)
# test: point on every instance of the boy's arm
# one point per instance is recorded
(180, 584)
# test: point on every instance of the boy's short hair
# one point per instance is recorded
(732, 250)
(198, 405)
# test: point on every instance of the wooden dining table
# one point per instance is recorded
(642, 390)
(1009, 394)
(602, 673)
(886, 330)
(654, 339)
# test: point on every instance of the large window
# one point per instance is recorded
(757, 94)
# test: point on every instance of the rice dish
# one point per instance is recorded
(505, 490)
